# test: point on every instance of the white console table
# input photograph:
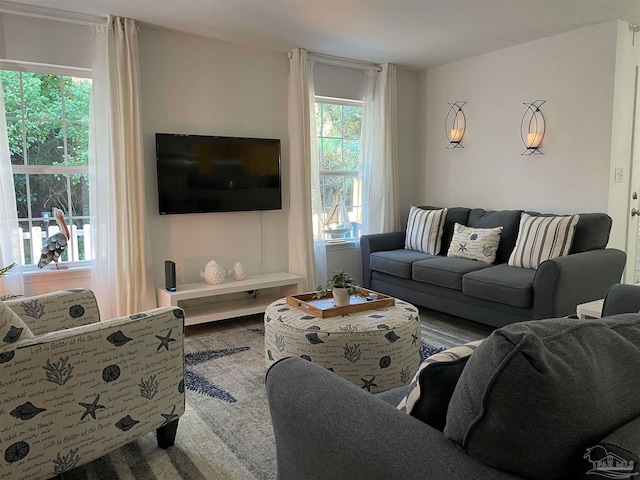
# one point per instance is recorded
(213, 308)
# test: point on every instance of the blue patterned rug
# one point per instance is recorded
(225, 433)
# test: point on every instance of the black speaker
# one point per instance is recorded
(170, 275)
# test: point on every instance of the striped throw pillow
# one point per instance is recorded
(542, 238)
(424, 230)
(432, 386)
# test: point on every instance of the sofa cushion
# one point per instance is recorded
(535, 395)
(396, 262)
(12, 328)
(542, 238)
(501, 283)
(427, 398)
(454, 215)
(509, 220)
(445, 271)
(591, 233)
(424, 230)
(479, 244)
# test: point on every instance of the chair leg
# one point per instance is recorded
(167, 434)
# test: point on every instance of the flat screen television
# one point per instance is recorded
(202, 173)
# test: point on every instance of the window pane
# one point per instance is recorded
(11, 90)
(48, 191)
(20, 186)
(77, 93)
(78, 144)
(82, 238)
(352, 122)
(331, 154)
(318, 119)
(42, 96)
(352, 155)
(26, 242)
(80, 195)
(44, 143)
(14, 132)
(331, 120)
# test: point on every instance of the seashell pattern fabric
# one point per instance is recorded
(12, 328)
(375, 349)
(57, 311)
(71, 396)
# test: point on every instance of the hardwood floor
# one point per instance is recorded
(461, 325)
(466, 327)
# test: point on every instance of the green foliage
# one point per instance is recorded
(339, 129)
(47, 124)
(340, 279)
(3, 271)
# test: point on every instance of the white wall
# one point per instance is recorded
(196, 85)
(574, 73)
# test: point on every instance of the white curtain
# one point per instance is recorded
(307, 254)
(379, 152)
(121, 273)
(11, 283)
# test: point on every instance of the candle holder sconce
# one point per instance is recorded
(532, 128)
(455, 124)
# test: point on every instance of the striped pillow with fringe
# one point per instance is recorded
(432, 386)
(542, 238)
(424, 230)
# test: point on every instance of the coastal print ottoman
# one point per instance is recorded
(376, 349)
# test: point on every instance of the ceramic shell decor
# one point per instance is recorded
(238, 272)
(213, 273)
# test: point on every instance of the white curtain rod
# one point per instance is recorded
(50, 14)
(343, 62)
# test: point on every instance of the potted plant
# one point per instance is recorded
(3, 271)
(341, 286)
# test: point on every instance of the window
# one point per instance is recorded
(339, 127)
(48, 129)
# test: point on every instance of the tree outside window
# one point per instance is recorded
(339, 127)
(48, 128)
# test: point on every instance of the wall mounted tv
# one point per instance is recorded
(200, 173)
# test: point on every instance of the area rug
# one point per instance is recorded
(225, 432)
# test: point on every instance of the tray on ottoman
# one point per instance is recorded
(324, 307)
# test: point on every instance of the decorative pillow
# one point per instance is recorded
(12, 328)
(535, 394)
(475, 243)
(542, 238)
(432, 386)
(424, 230)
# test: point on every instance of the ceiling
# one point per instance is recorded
(415, 34)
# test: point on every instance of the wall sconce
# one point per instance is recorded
(455, 124)
(532, 128)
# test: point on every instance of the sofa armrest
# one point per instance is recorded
(328, 428)
(562, 283)
(69, 397)
(621, 298)
(623, 443)
(375, 243)
(57, 311)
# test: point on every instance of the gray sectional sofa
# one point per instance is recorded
(495, 294)
(548, 400)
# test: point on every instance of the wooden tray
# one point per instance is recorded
(323, 307)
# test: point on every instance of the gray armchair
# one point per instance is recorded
(328, 428)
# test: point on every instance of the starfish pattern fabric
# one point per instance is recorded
(164, 341)
(91, 408)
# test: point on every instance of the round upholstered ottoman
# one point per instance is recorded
(376, 349)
